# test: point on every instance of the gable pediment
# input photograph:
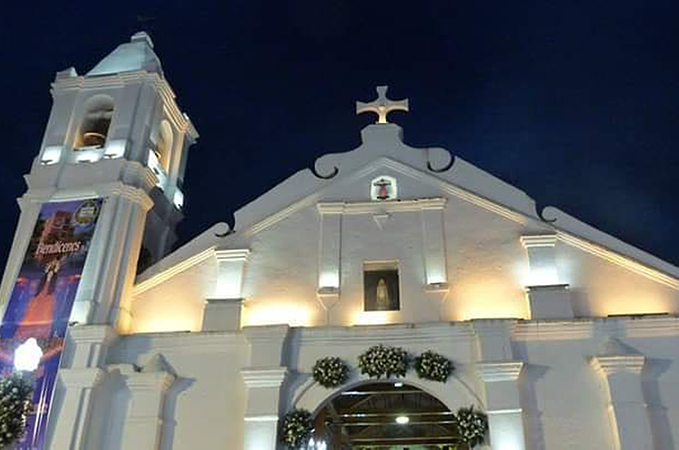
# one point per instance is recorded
(342, 182)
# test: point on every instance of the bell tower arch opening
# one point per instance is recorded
(95, 124)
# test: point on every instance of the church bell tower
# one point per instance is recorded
(115, 133)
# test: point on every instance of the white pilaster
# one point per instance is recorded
(123, 216)
(434, 245)
(548, 296)
(22, 236)
(145, 414)
(230, 272)
(329, 253)
(80, 376)
(74, 415)
(503, 405)
(630, 422)
(263, 380)
(541, 259)
(550, 302)
(222, 314)
(263, 406)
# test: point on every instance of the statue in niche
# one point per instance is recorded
(382, 295)
(381, 290)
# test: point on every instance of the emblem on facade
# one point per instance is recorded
(383, 188)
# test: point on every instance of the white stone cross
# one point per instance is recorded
(382, 106)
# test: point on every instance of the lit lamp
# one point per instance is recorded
(402, 420)
(316, 445)
(27, 356)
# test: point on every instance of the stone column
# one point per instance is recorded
(144, 421)
(503, 405)
(629, 417)
(80, 376)
(263, 380)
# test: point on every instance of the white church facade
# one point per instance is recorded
(563, 336)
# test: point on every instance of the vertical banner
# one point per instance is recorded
(40, 305)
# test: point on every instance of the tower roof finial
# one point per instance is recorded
(382, 106)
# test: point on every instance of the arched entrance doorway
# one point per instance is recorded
(386, 416)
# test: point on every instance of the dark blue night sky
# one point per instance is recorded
(575, 103)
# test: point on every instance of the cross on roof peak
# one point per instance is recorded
(382, 106)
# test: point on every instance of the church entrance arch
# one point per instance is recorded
(389, 415)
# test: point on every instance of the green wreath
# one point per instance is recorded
(330, 372)
(296, 429)
(432, 366)
(472, 426)
(16, 403)
(381, 360)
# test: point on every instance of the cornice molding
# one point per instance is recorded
(134, 194)
(232, 255)
(264, 377)
(168, 343)
(630, 326)
(399, 334)
(82, 378)
(281, 215)
(391, 206)
(553, 330)
(494, 371)
(93, 334)
(618, 259)
(141, 381)
(541, 240)
(609, 365)
(404, 169)
(172, 271)
(266, 334)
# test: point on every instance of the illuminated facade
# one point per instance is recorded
(565, 336)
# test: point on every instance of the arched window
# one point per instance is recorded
(95, 124)
(164, 144)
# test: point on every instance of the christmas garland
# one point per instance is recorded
(330, 372)
(472, 426)
(16, 393)
(296, 429)
(432, 366)
(382, 360)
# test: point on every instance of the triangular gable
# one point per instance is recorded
(383, 148)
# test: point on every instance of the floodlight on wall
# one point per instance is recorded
(115, 148)
(155, 166)
(178, 199)
(51, 155)
(316, 445)
(27, 356)
(88, 156)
